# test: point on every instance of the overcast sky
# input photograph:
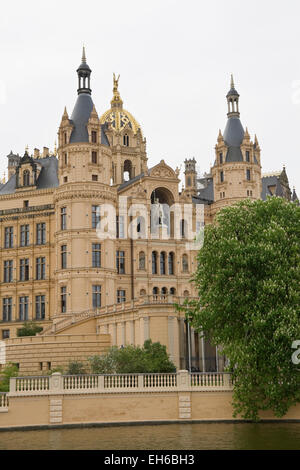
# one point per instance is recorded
(175, 59)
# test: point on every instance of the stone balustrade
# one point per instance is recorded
(3, 402)
(64, 320)
(69, 384)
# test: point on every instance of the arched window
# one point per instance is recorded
(171, 263)
(142, 292)
(172, 291)
(126, 140)
(185, 264)
(154, 262)
(186, 293)
(155, 292)
(127, 173)
(26, 178)
(163, 263)
(142, 260)
(164, 291)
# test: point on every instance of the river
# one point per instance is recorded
(161, 437)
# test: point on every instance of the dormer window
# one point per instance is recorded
(126, 140)
(221, 158)
(94, 137)
(65, 138)
(26, 178)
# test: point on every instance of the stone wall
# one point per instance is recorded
(38, 354)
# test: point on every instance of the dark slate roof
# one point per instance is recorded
(234, 154)
(268, 181)
(231, 92)
(234, 132)
(79, 118)
(129, 182)
(104, 139)
(47, 177)
(205, 195)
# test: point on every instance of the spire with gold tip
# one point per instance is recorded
(116, 101)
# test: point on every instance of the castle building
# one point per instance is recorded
(88, 245)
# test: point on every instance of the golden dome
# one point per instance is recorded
(116, 116)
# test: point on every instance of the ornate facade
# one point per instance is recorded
(87, 245)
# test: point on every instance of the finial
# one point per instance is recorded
(83, 55)
(26, 149)
(231, 82)
(3, 179)
(116, 98)
(55, 149)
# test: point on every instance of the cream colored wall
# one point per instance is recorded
(124, 407)
(30, 351)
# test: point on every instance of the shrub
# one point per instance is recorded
(29, 329)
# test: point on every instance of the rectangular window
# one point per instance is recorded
(63, 299)
(94, 177)
(96, 255)
(65, 158)
(65, 179)
(9, 237)
(120, 262)
(94, 157)
(247, 156)
(94, 137)
(26, 203)
(96, 296)
(24, 269)
(7, 309)
(121, 296)
(5, 334)
(248, 175)
(41, 234)
(95, 216)
(63, 253)
(23, 308)
(221, 176)
(24, 237)
(221, 158)
(63, 218)
(40, 307)
(41, 268)
(120, 226)
(8, 271)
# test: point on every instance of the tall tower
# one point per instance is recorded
(85, 264)
(190, 176)
(237, 170)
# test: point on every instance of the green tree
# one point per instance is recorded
(10, 370)
(29, 328)
(151, 358)
(75, 368)
(248, 281)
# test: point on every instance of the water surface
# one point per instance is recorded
(195, 436)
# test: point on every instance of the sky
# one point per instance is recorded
(174, 58)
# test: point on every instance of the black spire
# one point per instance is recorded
(84, 73)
